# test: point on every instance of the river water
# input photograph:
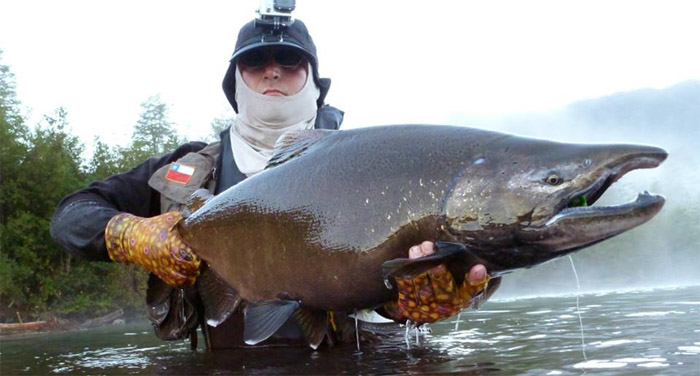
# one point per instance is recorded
(644, 332)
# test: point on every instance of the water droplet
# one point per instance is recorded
(387, 283)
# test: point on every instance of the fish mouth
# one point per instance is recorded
(589, 195)
(643, 201)
(578, 203)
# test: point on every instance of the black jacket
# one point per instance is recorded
(80, 218)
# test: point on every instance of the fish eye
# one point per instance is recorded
(553, 179)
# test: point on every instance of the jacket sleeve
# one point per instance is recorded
(80, 219)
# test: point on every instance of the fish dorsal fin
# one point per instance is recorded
(219, 299)
(263, 319)
(314, 324)
(293, 143)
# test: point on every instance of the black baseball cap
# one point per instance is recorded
(255, 34)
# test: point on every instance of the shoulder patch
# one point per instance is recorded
(180, 173)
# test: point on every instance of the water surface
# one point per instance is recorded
(645, 332)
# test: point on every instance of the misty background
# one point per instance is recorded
(666, 250)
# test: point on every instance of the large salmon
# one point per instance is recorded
(313, 230)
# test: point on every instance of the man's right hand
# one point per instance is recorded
(155, 244)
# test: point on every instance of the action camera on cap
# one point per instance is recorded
(275, 13)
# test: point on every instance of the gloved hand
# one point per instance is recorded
(155, 244)
(433, 295)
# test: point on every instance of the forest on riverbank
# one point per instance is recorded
(39, 165)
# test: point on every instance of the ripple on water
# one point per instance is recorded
(689, 350)
(654, 313)
(646, 362)
(124, 357)
(681, 303)
(622, 362)
(510, 341)
(615, 342)
(538, 312)
(599, 364)
(641, 360)
(653, 365)
(502, 337)
(537, 336)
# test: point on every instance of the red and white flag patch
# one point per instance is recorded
(180, 173)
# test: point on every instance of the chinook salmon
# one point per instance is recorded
(332, 217)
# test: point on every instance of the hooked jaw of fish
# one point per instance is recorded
(574, 224)
(540, 210)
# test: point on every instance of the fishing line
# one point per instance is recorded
(357, 333)
(578, 309)
(457, 322)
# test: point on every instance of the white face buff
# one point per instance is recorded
(262, 119)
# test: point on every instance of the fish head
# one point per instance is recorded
(526, 202)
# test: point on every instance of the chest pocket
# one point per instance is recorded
(178, 180)
(174, 313)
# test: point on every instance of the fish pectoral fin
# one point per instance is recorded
(293, 143)
(219, 299)
(262, 320)
(403, 268)
(157, 299)
(314, 324)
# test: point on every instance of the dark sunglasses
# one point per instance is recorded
(287, 57)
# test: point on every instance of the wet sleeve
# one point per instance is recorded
(80, 218)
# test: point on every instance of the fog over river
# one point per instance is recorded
(666, 250)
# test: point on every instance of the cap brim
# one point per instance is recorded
(271, 44)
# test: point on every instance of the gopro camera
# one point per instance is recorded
(275, 13)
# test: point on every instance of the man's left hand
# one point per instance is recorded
(433, 296)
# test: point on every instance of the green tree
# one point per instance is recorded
(38, 168)
(153, 132)
(48, 168)
(219, 124)
(13, 141)
(105, 161)
(13, 151)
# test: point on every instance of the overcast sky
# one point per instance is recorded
(390, 61)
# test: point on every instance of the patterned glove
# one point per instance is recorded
(155, 244)
(433, 296)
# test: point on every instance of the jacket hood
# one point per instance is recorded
(255, 35)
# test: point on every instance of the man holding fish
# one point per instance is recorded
(273, 84)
